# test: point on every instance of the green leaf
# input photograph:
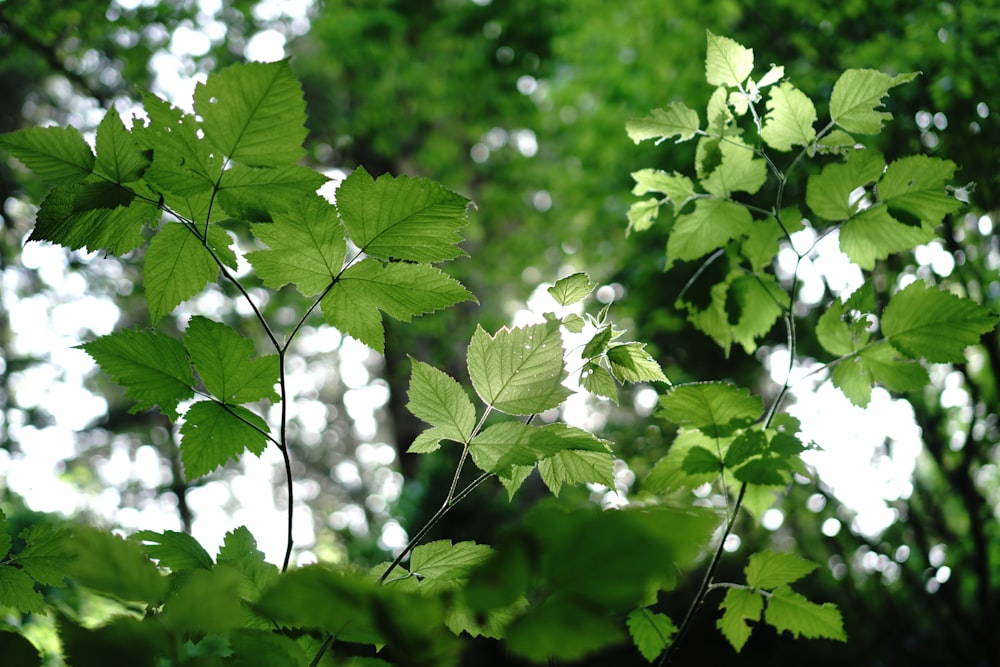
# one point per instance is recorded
(412, 219)
(712, 224)
(915, 185)
(700, 460)
(153, 368)
(752, 307)
(205, 601)
(183, 163)
(925, 322)
(836, 142)
(253, 113)
(598, 344)
(307, 247)
(766, 471)
(574, 323)
(57, 155)
(68, 218)
(226, 364)
(740, 606)
(499, 447)
(642, 214)
(577, 466)
(631, 363)
(769, 569)
(125, 640)
(252, 648)
(762, 243)
(519, 371)
(17, 590)
(177, 551)
(829, 193)
(715, 408)
(893, 371)
(45, 555)
(436, 398)
(239, 551)
(727, 63)
(852, 377)
(858, 94)
(428, 441)
(571, 289)
(833, 332)
(399, 289)
(178, 266)
(651, 632)
(677, 121)
(743, 447)
(598, 381)
(5, 538)
(213, 433)
(257, 193)
(678, 188)
(789, 611)
(875, 234)
(789, 120)
(120, 158)
(112, 565)
(561, 630)
(739, 170)
(442, 560)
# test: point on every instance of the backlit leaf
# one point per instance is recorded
(789, 120)
(915, 185)
(212, 434)
(183, 163)
(571, 289)
(678, 188)
(651, 632)
(770, 569)
(57, 155)
(875, 234)
(739, 170)
(17, 591)
(642, 214)
(120, 158)
(257, 194)
(631, 363)
(857, 96)
(577, 466)
(829, 193)
(676, 121)
(178, 266)
(712, 224)
(789, 611)
(174, 550)
(111, 225)
(436, 398)
(740, 606)
(110, 564)
(205, 601)
(226, 364)
(598, 381)
(45, 554)
(727, 63)
(447, 561)
(700, 460)
(239, 551)
(715, 408)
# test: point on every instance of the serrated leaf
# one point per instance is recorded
(745, 446)
(715, 408)
(727, 63)
(577, 466)
(712, 224)
(442, 560)
(251, 648)
(412, 219)
(678, 188)
(789, 120)
(401, 290)
(574, 323)
(765, 471)
(17, 591)
(174, 550)
(642, 214)
(152, 367)
(854, 380)
(178, 266)
(5, 537)
(428, 441)
(836, 142)
(915, 185)
(762, 242)
(651, 632)
(110, 564)
(205, 601)
(598, 381)
(258, 193)
(519, 371)
(226, 364)
(239, 551)
(64, 219)
(213, 433)
(120, 158)
(738, 171)
(57, 155)
(740, 606)
(770, 569)
(791, 612)
(829, 193)
(875, 234)
(701, 461)
(560, 630)
(832, 331)
(502, 446)
(676, 121)
(571, 289)
(253, 113)
(858, 94)
(307, 248)
(436, 398)
(925, 322)
(597, 345)
(893, 371)
(183, 163)
(630, 362)
(44, 556)
(752, 307)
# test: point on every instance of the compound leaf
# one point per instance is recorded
(44, 556)
(875, 234)
(17, 590)
(436, 398)
(239, 551)
(257, 193)
(571, 289)
(738, 171)
(120, 158)
(712, 224)
(214, 433)
(631, 363)
(177, 551)
(677, 121)
(829, 193)
(770, 569)
(225, 362)
(787, 610)
(715, 408)
(740, 606)
(577, 466)
(57, 155)
(178, 266)
(93, 216)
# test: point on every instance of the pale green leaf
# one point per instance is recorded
(57, 155)
(253, 113)
(442, 560)
(678, 188)
(574, 323)
(836, 142)
(773, 76)
(712, 224)
(651, 632)
(178, 266)
(239, 551)
(307, 247)
(738, 171)
(519, 371)
(857, 96)
(213, 433)
(852, 377)
(152, 367)
(576, 466)
(762, 243)
(770, 569)
(412, 219)
(669, 475)
(17, 591)
(642, 214)
(598, 381)
(677, 121)
(571, 289)
(631, 363)
(120, 158)
(715, 408)
(258, 193)
(740, 606)
(789, 120)
(829, 193)
(115, 228)
(925, 322)
(789, 611)
(752, 307)
(401, 290)
(833, 332)
(174, 550)
(915, 186)
(727, 63)
(894, 372)
(44, 555)
(436, 398)
(226, 364)
(875, 234)
(428, 441)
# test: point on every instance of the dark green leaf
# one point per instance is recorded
(700, 460)
(442, 560)
(120, 158)
(596, 346)
(57, 155)
(716, 408)
(17, 591)
(829, 193)
(257, 194)
(252, 648)
(174, 550)
(239, 551)
(768, 471)
(123, 641)
(561, 630)
(226, 364)
(109, 226)
(109, 564)
(651, 632)
(206, 601)
(212, 434)
(743, 447)
(45, 554)
(17, 650)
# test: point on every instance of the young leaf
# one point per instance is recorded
(678, 188)
(833, 332)
(519, 371)
(829, 193)
(738, 171)
(214, 433)
(151, 366)
(715, 408)
(925, 322)
(442, 560)
(789, 120)
(399, 289)
(769, 569)
(70, 217)
(439, 400)
(857, 95)
(257, 194)
(571, 289)
(677, 121)
(875, 234)
(178, 266)
(631, 363)
(700, 460)
(598, 381)
(852, 377)
(253, 113)
(598, 344)
(727, 63)
(740, 606)
(120, 158)
(177, 551)
(577, 466)
(642, 214)
(787, 610)
(57, 155)
(225, 362)
(651, 632)
(307, 247)
(915, 185)
(712, 224)
(428, 441)
(412, 219)
(205, 601)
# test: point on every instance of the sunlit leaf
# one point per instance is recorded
(676, 121)
(857, 96)
(915, 185)
(669, 474)
(120, 158)
(57, 155)
(177, 551)
(651, 632)
(738, 171)
(213, 434)
(598, 381)
(178, 266)
(257, 193)
(239, 552)
(831, 193)
(789, 120)
(436, 398)
(642, 214)
(571, 289)
(631, 363)
(875, 234)
(715, 408)
(727, 63)
(577, 466)
(447, 561)
(739, 606)
(226, 363)
(791, 612)
(712, 224)
(770, 569)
